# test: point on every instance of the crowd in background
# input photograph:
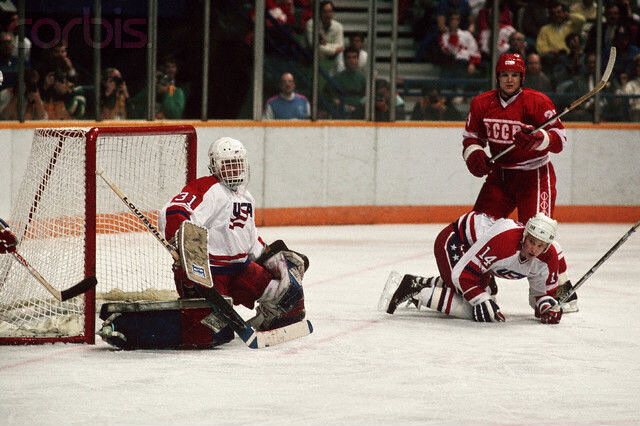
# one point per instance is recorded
(556, 38)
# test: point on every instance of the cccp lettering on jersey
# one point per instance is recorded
(501, 131)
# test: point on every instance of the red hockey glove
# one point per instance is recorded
(548, 310)
(478, 163)
(527, 141)
(8, 241)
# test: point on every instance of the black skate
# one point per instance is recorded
(409, 287)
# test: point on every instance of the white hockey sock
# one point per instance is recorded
(443, 299)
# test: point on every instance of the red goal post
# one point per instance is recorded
(70, 226)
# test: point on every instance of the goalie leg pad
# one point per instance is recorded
(160, 325)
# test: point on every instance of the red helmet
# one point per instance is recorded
(510, 62)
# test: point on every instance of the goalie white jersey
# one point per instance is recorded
(228, 216)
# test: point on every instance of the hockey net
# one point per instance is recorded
(70, 226)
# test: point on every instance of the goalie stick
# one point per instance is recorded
(252, 338)
(600, 261)
(73, 291)
(574, 104)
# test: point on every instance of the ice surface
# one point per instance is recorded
(364, 367)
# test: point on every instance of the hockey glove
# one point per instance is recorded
(487, 310)
(478, 163)
(527, 141)
(8, 241)
(548, 310)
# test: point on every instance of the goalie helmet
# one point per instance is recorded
(542, 227)
(228, 162)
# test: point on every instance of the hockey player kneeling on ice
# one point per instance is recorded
(242, 266)
(469, 253)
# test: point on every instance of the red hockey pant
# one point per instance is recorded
(530, 191)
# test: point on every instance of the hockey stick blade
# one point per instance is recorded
(603, 82)
(82, 287)
(252, 338)
(264, 339)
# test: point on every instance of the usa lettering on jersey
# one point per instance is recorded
(241, 212)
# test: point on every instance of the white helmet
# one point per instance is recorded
(542, 227)
(228, 162)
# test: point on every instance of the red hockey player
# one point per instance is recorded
(524, 178)
(472, 250)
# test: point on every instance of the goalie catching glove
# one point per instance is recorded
(548, 310)
(282, 302)
(528, 141)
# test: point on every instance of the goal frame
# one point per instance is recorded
(91, 138)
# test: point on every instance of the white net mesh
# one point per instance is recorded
(48, 217)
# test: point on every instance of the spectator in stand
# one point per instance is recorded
(518, 44)
(445, 7)
(331, 33)
(483, 25)
(459, 47)
(352, 84)
(169, 64)
(8, 65)
(33, 107)
(170, 100)
(550, 44)
(9, 23)
(630, 20)
(625, 52)
(113, 96)
(632, 87)
(58, 59)
(287, 104)
(588, 9)
(572, 63)
(433, 107)
(61, 101)
(581, 84)
(536, 78)
(532, 18)
(382, 110)
(356, 41)
(424, 28)
(609, 28)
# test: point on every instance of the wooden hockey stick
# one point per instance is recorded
(73, 291)
(599, 263)
(574, 104)
(252, 338)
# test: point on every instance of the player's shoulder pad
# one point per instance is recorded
(551, 256)
(200, 185)
(535, 95)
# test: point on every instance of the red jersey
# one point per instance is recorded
(494, 121)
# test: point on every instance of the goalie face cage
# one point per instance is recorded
(70, 226)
